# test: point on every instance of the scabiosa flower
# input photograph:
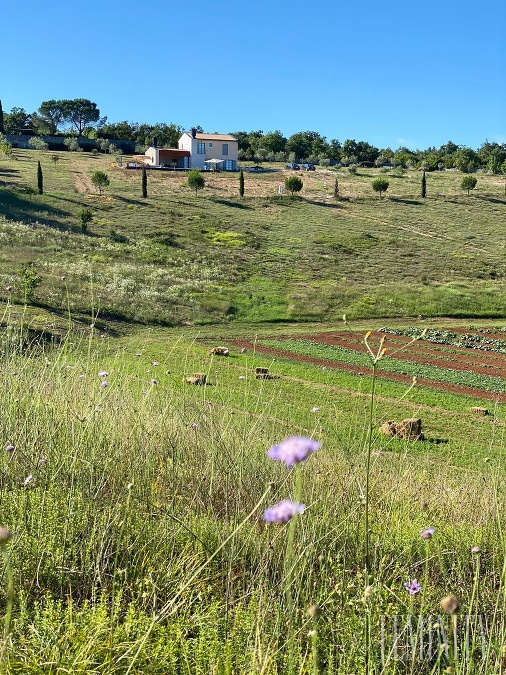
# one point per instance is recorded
(283, 512)
(194, 425)
(103, 373)
(476, 550)
(293, 450)
(427, 532)
(104, 384)
(10, 448)
(412, 586)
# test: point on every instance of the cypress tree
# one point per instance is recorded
(424, 185)
(2, 128)
(336, 190)
(144, 182)
(40, 186)
(241, 184)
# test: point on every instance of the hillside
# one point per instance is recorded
(179, 258)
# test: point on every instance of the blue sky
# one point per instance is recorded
(390, 73)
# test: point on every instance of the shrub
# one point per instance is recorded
(293, 184)
(72, 144)
(85, 216)
(196, 180)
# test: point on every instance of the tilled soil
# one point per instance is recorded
(445, 356)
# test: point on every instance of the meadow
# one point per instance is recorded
(138, 531)
(175, 258)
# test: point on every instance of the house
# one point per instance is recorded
(210, 151)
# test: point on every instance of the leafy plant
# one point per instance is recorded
(196, 180)
(85, 217)
(28, 281)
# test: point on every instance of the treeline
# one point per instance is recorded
(82, 117)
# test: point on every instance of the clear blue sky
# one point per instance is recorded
(391, 73)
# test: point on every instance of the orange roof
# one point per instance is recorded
(215, 137)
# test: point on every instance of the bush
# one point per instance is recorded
(100, 180)
(196, 180)
(72, 144)
(85, 216)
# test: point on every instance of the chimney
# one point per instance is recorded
(194, 132)
(155, 139)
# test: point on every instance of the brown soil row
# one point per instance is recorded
(339, 340)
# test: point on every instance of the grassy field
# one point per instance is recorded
(134, 503)
(176, 258)
(136, 506)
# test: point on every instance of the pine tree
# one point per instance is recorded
(144, 182)
(2, 128)
(241, 184)
(424, 185)
(40, 185)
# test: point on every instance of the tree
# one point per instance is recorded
(38, 144)
(424, 185)
(40, 180)
(144, 182)
(52, 114)
(336, 190)
(80, 113)
(380, 185)
(468, 183)
(16, 120)
(465, 159)
(100, 180)
(85, 216)
(72, 144)
(293, 184)
(196, 180)
(2, 128)
(241, 183)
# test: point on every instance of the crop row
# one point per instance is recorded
(353, 357)
(446, 337)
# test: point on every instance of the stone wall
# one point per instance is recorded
(56, 143)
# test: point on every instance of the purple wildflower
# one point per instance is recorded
(103, 373)
(427, 532)
(104, 384)
(283, 512)
(412, 586)
(293, 450)
(10, 448)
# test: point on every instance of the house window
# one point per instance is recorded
(210, 145)
(229, 165)
(224, 149)
(201, 148)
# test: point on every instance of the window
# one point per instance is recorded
(210, 145)
(201, 148)
(229, 165)
(224, 149)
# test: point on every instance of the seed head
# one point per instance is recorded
(450, 604)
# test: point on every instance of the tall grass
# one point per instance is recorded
(138, 538)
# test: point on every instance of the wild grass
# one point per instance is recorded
(136, 512)
(266, 257)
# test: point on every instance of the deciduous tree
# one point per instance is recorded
(468, 183)
(196, 180)
(380, 185)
